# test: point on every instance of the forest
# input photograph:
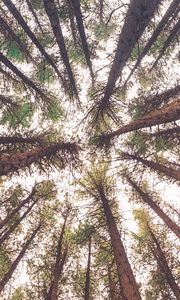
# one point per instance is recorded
(89, 149)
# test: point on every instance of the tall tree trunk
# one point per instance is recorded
(12, 8)
(167, 113)
(14, 162)
(23, 77)
(12, 140)
(137, 18)
(80, 25)
(30, 7)
(148, 200)
(58, 267)
(170, 11)
(17, 209)
(88, 273)
(52, 13)
(14, 265)
(154, 166)
(14, 226)
(72, 23)
(163, 265)
(128, 285)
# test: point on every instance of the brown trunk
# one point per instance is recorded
(154, 166)
(4, 140)
(128, 285)
(58, 268)
(147, 199)
(52, 13)
(14, 265)
(170, 11)
(167, 132)
(137, 18)
(14, 211)
(14, 226)
(163, 265)
(72, 23)
(14, 162)
(88, 274)
(168, 113)
(30, 34)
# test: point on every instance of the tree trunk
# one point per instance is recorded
(163, 265)
(14, 226)
(168, 113)
(154, 166)
(14, 265)
(80, 25)
(30, 7)
(30, 34)
(172, 132)
(52, 13)
(170, 11)
(13, 162)
(8, 102)
(128, 285)
(137, 18)
(13, 140)
(72, 23)
(88, 273)
(147, 199)
(14, 211)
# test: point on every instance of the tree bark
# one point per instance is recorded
(148, 200)
(52, 13)
(154, 166)
(137, 18)
(163, 265)
(88, 273)
(14, 265)
(167, 132)
(12, 8)
(14, 211)
(128, 286)
(13, 162)
(170, 11)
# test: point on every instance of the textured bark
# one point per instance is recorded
(128, 285)
(88, 273)
(17, 209)
(23, 77)
(12, 8)
(72, 23)
(30, 7)
(167, 132)
(170, 11)
(80, 25)
(52, 13)
(14, 162)
(154, 166)
(148, 200)
(8, 32)
(166, 114)
(167, 43)
(14, 226)
(137, 18)
(14, 265)
(4, 140)
(163, 265)
(58, 267)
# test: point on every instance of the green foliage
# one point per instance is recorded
(138, 142)
(13, 51)
(76, 54)
(44, 73)
(18, 294)
(37, 4)
(136, 51)
(63, 13)
(136, 111)
(83, 233)
(158, 44)
(4, 261)
(161, 144)
(103, 31)
(46, 40)
(53, 112)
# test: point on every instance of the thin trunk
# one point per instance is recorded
(8, 102)
(80, 25)
(154, 165)
(88, 273)
(111, 284)
(13, 162)
(148, 200)
(101, 8)
(167, 43)
(52, 13)
(23, 77)
(7, 31)
(72, 23)
(31, 35)
(137, 18)
(166, 114)
(14, 265)
(34, 15)
(167, 132)
(17, 209)
(163, 265)
(4, 140)
(14, 226)
(170, 11)
(58, 267)
(9, 76)
(128, 285)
